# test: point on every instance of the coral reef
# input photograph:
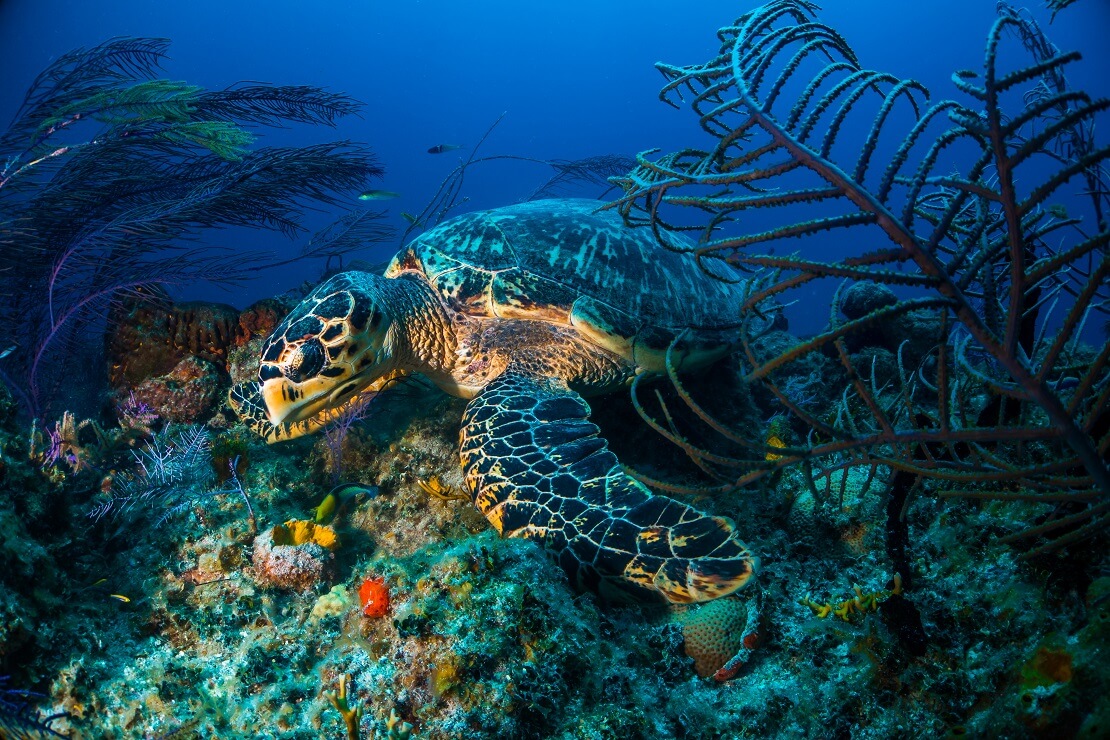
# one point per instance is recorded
(148, 336)
(297, 555)
(137, 598)
(188, 394)
(484, 637)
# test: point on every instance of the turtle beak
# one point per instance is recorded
(286, 402)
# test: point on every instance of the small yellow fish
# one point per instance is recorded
(337, 497)
(435, 487)
(121, 597)
(326, 508)
(379, 195)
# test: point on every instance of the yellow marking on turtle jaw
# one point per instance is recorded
(286, 403)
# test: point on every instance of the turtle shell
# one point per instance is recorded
(564, 262)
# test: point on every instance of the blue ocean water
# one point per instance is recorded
(574, 79)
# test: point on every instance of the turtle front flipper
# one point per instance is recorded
(536, 467)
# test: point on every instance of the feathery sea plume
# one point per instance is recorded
(107, 173)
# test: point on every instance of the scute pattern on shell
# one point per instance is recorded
(564, 262)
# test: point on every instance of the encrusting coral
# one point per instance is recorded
(720, 635)
(297, 555)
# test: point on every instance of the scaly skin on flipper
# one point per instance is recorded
(537, 469)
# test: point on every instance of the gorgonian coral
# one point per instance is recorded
(1008, 396)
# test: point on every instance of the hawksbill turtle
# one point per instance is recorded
(525, 310)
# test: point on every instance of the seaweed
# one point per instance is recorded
(1010, 401)
(169, 475)
(107, 173)
(18, 717)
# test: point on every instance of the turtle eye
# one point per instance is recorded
(268, 372)
(306, 362)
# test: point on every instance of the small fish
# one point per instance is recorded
(443, 148)
(326, 508)
(337, 497)
(379, 195)
(346, 490)
(8, 350)
(410, 218)
(1057, 210)
(121, 597)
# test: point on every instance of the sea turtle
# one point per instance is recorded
(524, 310)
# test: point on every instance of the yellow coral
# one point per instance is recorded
(302, 531)
(351, 715)
(333, 603)
(862, 603)
(774, 441)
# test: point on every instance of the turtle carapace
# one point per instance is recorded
(526, 310)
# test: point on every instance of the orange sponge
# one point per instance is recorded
(717, 634)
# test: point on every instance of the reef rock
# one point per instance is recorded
(189, 393)
(149, 337)
(295, 556)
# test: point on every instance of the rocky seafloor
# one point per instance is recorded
(213, 604)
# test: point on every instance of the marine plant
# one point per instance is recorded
(19, 718)
(351, 715)
(336, 431)
(85, 445)
(1009, 398)
(106, 174)
(169, 474)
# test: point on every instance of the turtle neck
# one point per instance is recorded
(423, 340)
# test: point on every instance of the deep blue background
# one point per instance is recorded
(575, 77)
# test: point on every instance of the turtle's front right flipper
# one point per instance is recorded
(537, 469)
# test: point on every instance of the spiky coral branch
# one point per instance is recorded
(975, 237)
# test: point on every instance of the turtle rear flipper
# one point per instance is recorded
(537, 468)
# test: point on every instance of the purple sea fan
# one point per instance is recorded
(136, 415)
(335, 433)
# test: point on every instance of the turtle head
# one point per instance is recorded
(333, 345)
